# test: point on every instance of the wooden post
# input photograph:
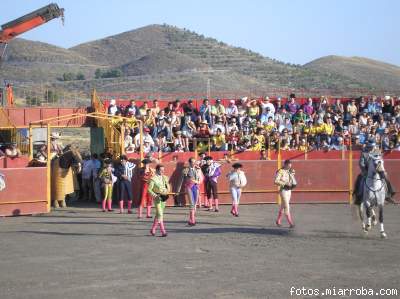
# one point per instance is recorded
(48, 175)
(141, 140)
(30, 134)
(279, 167)
(350, 172)
(122, 139)
(196, 154)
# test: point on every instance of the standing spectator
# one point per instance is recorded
(388, 107)
(308, 108)
(292, 106)
(155, 110)
(113, 108)
(352, 109)
(131, 109)
(266, 103)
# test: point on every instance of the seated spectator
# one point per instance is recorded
(219, 125)
(232, 110)
(338, 144)
(128, 143)
(190, 110)
(233, 139)
(263, 155)
(270, 125)
(266, 115)
(146, 138)
(203, 131)
(41, 154)
(218, 110)
(231, 125)
(205, 112)
(218, 141)
(178, 141)
(300, 116)
(12, 151)
(303, 145)
(161, 143)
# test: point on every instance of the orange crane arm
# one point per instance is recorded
(34, 19)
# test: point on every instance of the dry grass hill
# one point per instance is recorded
(163, 58)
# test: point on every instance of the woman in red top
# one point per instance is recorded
(146, 173)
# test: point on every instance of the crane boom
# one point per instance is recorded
(34, 19)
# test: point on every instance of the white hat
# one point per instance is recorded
(244, 99)
(113, 102)
(387, 97)
(55, 135)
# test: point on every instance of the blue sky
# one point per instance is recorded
(295, 31)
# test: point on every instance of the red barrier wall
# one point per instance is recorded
(319, 181)
(23, 116)
(25, 191)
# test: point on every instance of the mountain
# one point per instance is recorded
(370, 72)
(163, 58)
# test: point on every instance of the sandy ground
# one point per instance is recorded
(83, 253)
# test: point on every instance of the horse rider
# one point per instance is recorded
(369, 149)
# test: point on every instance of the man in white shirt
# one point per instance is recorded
(267, 104)
(146, 138)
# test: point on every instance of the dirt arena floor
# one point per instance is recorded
(83, 253)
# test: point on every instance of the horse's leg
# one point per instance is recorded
(383, 234)
(373, 217)
(368, 211)
(361, 214)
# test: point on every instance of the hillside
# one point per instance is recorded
(126, 47)
(30, 61)
(367, 71)
(163, 58)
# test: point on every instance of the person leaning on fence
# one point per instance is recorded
(286, 181)
(159, 190)
(237, 181)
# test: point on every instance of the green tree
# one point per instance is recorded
(80, 76)
(98, 74)
(68, 76)
(51, 96)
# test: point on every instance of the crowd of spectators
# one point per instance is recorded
(248, 124)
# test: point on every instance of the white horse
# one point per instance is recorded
(374, 192)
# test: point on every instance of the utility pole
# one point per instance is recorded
(208, 88)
